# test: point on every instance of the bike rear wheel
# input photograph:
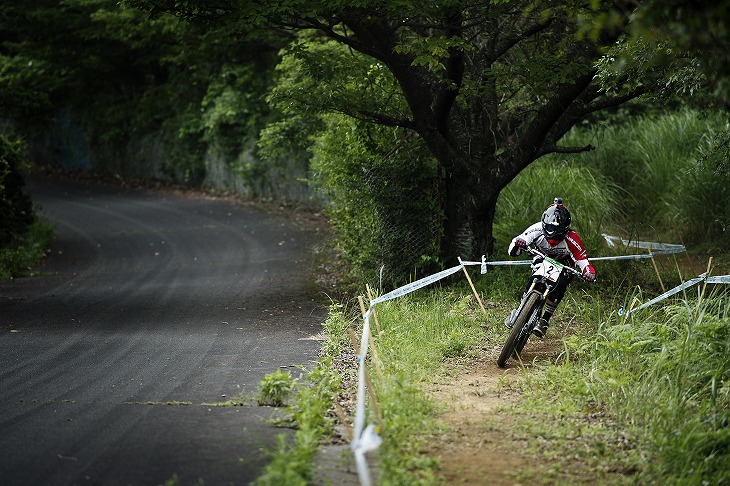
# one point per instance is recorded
(520, 328)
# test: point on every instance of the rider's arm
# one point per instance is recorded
(578, 252)
(528, 236)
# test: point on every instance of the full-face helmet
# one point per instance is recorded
(556, 221)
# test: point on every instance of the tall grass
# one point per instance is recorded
(663, 376)
(704, 207)
(656, 162)
(593, 200)
(419, 334)
(652, 175)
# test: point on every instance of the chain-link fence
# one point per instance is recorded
(405, 197)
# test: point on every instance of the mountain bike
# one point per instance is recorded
(546, 274)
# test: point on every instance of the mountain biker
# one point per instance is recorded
(553, 236)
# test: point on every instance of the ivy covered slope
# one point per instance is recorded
(24, 238)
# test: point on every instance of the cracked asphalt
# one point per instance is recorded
(152, 308)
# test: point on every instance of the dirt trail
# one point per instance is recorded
(477, 446)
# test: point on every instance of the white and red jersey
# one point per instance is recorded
(570, 250)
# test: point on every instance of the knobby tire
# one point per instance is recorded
(518, 337)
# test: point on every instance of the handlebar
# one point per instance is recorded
(535, 252)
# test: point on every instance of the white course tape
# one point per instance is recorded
(406, 289)
(367, 439)
(363, 442)
(669, 293)
(662, 248)
(689, 283)
(655, 250)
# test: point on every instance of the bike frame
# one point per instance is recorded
(545, 276)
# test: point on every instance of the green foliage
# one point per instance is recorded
(27, 251)
(592, 198)
(681, 46)
(24, 95)
(153, 96)
(418, 333)
(319, 77)
(335, 326)
(679, 390)
(275, 388)
(287, 464)
(378, 182)
(337, 165)
(381, 204)
(16, 206)
(703, 191)
(292, 463)
(404, 430)
(669, 172)
(695, 30)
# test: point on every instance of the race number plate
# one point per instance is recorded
(550, 269)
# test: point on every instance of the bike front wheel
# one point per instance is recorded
(521, 328)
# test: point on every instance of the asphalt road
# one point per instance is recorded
(150, 299)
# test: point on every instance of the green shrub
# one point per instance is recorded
(381, 203)
(16, 207)
(275, 388)
(31, 247)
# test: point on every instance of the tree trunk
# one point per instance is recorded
(469, 210)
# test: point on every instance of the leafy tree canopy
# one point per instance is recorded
(489, 86)
(125, 75)
(685, 44)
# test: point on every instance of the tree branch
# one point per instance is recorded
(379, 118)
(508, 43)
(609, 101)
(558, 149)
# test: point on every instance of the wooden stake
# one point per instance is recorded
(689, 260)
(707, 274)
(656, 269)
(375, 316)
(340, 412)
(371, 392)
(353, 339)
(484, 311)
